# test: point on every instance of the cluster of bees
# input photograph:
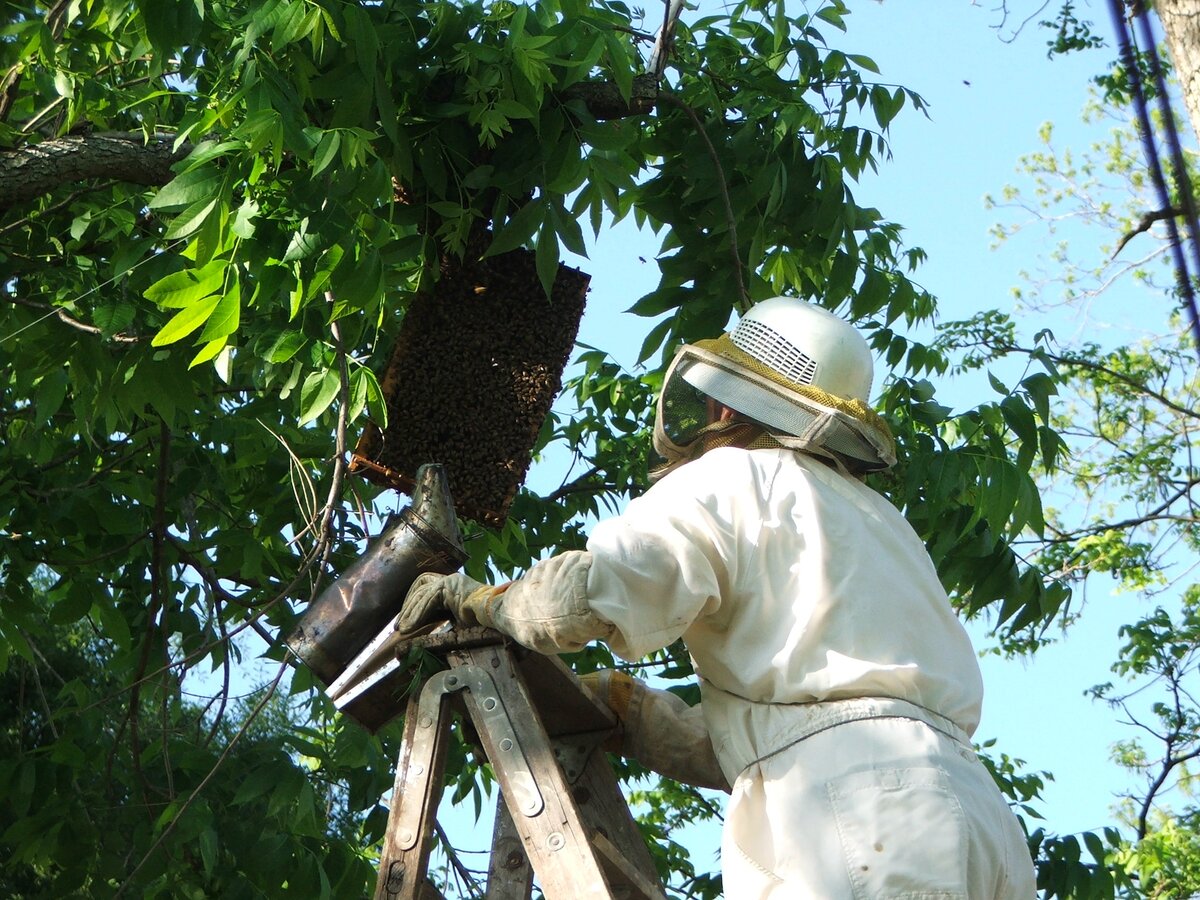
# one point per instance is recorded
(476, 366)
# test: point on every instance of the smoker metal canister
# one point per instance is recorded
(423, 537)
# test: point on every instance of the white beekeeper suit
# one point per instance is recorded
(839, 690)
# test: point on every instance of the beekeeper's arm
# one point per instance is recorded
(646, 577)
(547, 611)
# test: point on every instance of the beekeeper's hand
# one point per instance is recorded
(547, 610)
(615, 690)
(433, 596)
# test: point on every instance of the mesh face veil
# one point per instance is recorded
(801, 375)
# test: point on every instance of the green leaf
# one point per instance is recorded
(359, 393)
(863, 62)
(185, 322)
(243, 220)
(1019, 418)
(225, 318)
(567, 227)
(318, 391)
(195, 186)
(547, 256)
(618, 65)
(376, 403)
(111, 316)
(519, 229)
(209, 351)
(185, 287)
(302, 245)
(286, 346)
(209, 853)
(327, 149)
(358, 283)
(191, 219)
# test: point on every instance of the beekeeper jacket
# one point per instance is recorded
(812, 612)
(790, 583)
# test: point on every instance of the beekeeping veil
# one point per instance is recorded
(798, 372)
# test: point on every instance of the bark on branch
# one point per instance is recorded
(31, 171)
(1144, 224)
(604, 100)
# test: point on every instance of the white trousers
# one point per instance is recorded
(880, 809)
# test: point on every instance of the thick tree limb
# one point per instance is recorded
(604, 101)
(37, 169)
(31, 171)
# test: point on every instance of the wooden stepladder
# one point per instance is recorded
(561, 817)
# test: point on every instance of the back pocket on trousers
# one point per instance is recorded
(903, 834)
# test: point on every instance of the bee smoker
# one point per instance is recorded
(423, 537)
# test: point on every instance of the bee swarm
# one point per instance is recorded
(471, 379)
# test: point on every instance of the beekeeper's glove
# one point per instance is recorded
(615, 690)
(433, 596)
(658, 729)
(547, 610)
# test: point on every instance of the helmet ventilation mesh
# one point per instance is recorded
(768, 346)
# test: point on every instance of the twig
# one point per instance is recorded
(463, 872)
(72, 321)
(731, 223)
(50, 210)
(305, 564)
(225, 675)
(206, 573)
(1128, 380)
(339, 461)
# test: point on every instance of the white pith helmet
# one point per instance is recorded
(800, 371)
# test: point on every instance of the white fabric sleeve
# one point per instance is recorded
(547, 610)
(647, 574)
(669, 558)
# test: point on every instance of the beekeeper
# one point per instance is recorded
(839, 690)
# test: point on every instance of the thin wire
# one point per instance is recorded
(87, 293)
(1183, 277)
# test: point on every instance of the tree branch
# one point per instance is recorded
(67, 319)
(36, 169)
(604, 101)
(1138, 387)
(1144, 224)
